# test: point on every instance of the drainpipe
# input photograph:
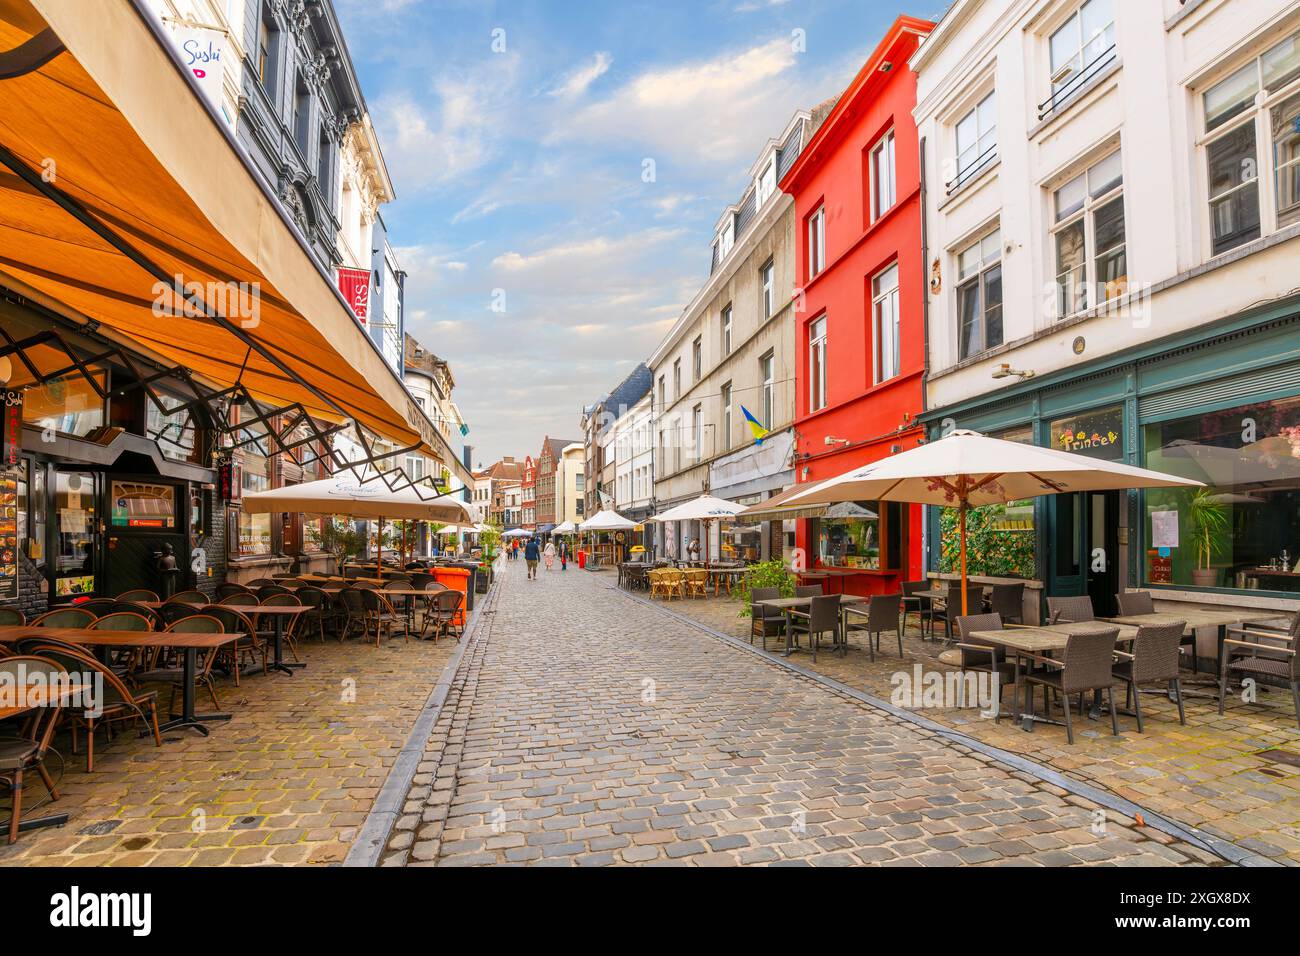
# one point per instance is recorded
(926, 536)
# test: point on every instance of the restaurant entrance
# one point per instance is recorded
(1085, 551)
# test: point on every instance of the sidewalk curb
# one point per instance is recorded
(1224, 849)
(373, 835)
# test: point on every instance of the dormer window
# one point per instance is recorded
(766, 183)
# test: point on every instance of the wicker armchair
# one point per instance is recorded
(1154, 660)
(1073, 609)
(1008, 602)
(823, 616)
(697, 582)
(952, 606)
(977, 655)
(913, 603)
(765, 621)
(1261, 650)
(883, 613)
(1085, 666)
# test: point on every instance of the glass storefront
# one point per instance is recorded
(864, 535)
(68, 405)
(1243, 529)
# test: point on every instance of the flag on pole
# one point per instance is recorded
(759, 431)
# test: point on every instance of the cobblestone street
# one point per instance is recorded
(586, 728)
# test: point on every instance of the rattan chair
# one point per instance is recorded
(65, 617)
(379, 613)
(251, 645)
(1262, 650)
(118, 702)
(188, 597)
(884, 613)
(697, 582)
(289, 628)
(445, 610)
(354, 613)
(978, 655)
(27, 752)
(1140, 602)
(12, 617)
(1154, 660)
(823, 616)
(764, 621)
(227, 588)
(175, 674)
(1086, 665)
(138, 594)
(952, 606)
(1070, 609)
(913, 603)
(809, 590)
(1008, 602)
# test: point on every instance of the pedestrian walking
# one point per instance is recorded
(550, 556)
(564, 554)
(531, 553)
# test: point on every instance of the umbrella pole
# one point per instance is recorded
(962, 521)
(379, 550)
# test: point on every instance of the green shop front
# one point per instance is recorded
(1221, 405)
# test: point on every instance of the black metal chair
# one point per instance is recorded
(1085, 666)
(883, 614)
(1154, 660)
(823, 617)
(1008, 602)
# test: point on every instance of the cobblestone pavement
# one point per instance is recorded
(288, 780)
(585, 728)
(1224, 775)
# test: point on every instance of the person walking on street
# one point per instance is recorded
(531, 554)
(550, 556)
(564, 554)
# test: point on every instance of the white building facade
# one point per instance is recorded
(1112, 226)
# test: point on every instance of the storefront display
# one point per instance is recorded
(8, 534)
(137, 504)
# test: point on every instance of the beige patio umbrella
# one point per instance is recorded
(349, 494)
(967, 469)
(704, 509)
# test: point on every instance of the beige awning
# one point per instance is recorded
(777, 507)
(120, 131)
(346, 494)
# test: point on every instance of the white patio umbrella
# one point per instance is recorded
(967, 469)
(565, 527)
(516, 533)
(346, 493)
(607, 521)
(704, 509)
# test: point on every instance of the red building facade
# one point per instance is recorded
(860, 329)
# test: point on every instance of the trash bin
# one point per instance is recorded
(582, 560)
(458, 579)
(472, 584)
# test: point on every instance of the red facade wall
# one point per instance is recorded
(832, 173)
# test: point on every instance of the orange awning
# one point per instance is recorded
(118, 129)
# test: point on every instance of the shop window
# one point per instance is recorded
(254, 530)
(172, 426)
(75, 520)
(142, 504)
(68, 404)
(1243, 529)
(866, 535)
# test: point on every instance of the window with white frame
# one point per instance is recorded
(1246, 131)
(883, 186)
(768, 276)
(884, 321)
(979, 296)
(766, 184)
(697, 359)
(767, 370)
(726, 330)
(1088, 241)
(1078, 48)
(817, 364)
(677, 378)
(977, 139)
(726, 416)
(697, 431)
(817, 242)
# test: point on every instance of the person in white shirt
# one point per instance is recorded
(550, 555)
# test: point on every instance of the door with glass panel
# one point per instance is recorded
(77, 536)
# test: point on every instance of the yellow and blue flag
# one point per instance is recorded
(759, 431)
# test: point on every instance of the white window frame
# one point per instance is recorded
(767, 371)
(697, 359)
(725, 395)
(883, 175)
(980, 278)
(1086, 213)
(767, 287)
(765, 184)
(817, 242)
(1059, 79)
(726, 330)
(817, 352)
(980, 153)
(1258, 114)
(886, 330)
(697, 431)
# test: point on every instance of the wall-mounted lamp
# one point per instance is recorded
(832, 440)
(1005, 370)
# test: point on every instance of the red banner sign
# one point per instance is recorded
(355, 286)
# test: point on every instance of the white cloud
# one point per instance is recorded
(751, 5)
(577, 82)
(715, 112)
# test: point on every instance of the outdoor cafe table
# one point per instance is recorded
(786, 605)
(727, 576)
(1196, 618)
(1047, 639)
(277, 612)
(190, 643)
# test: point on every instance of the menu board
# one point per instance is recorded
(1096, 434)
(8, 534)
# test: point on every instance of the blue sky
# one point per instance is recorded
(519, 169)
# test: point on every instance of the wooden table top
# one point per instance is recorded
(786, 604)
(90, 637)
(1195, 618)
(941, 594)
(38, 695)
(1042, 640)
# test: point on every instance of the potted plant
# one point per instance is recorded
(1209, 519)
(337, 537)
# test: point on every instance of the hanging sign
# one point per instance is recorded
(203, 51)
(355, 286)
(11, 429)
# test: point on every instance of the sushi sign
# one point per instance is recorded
(1095, 434)
(11, 430)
